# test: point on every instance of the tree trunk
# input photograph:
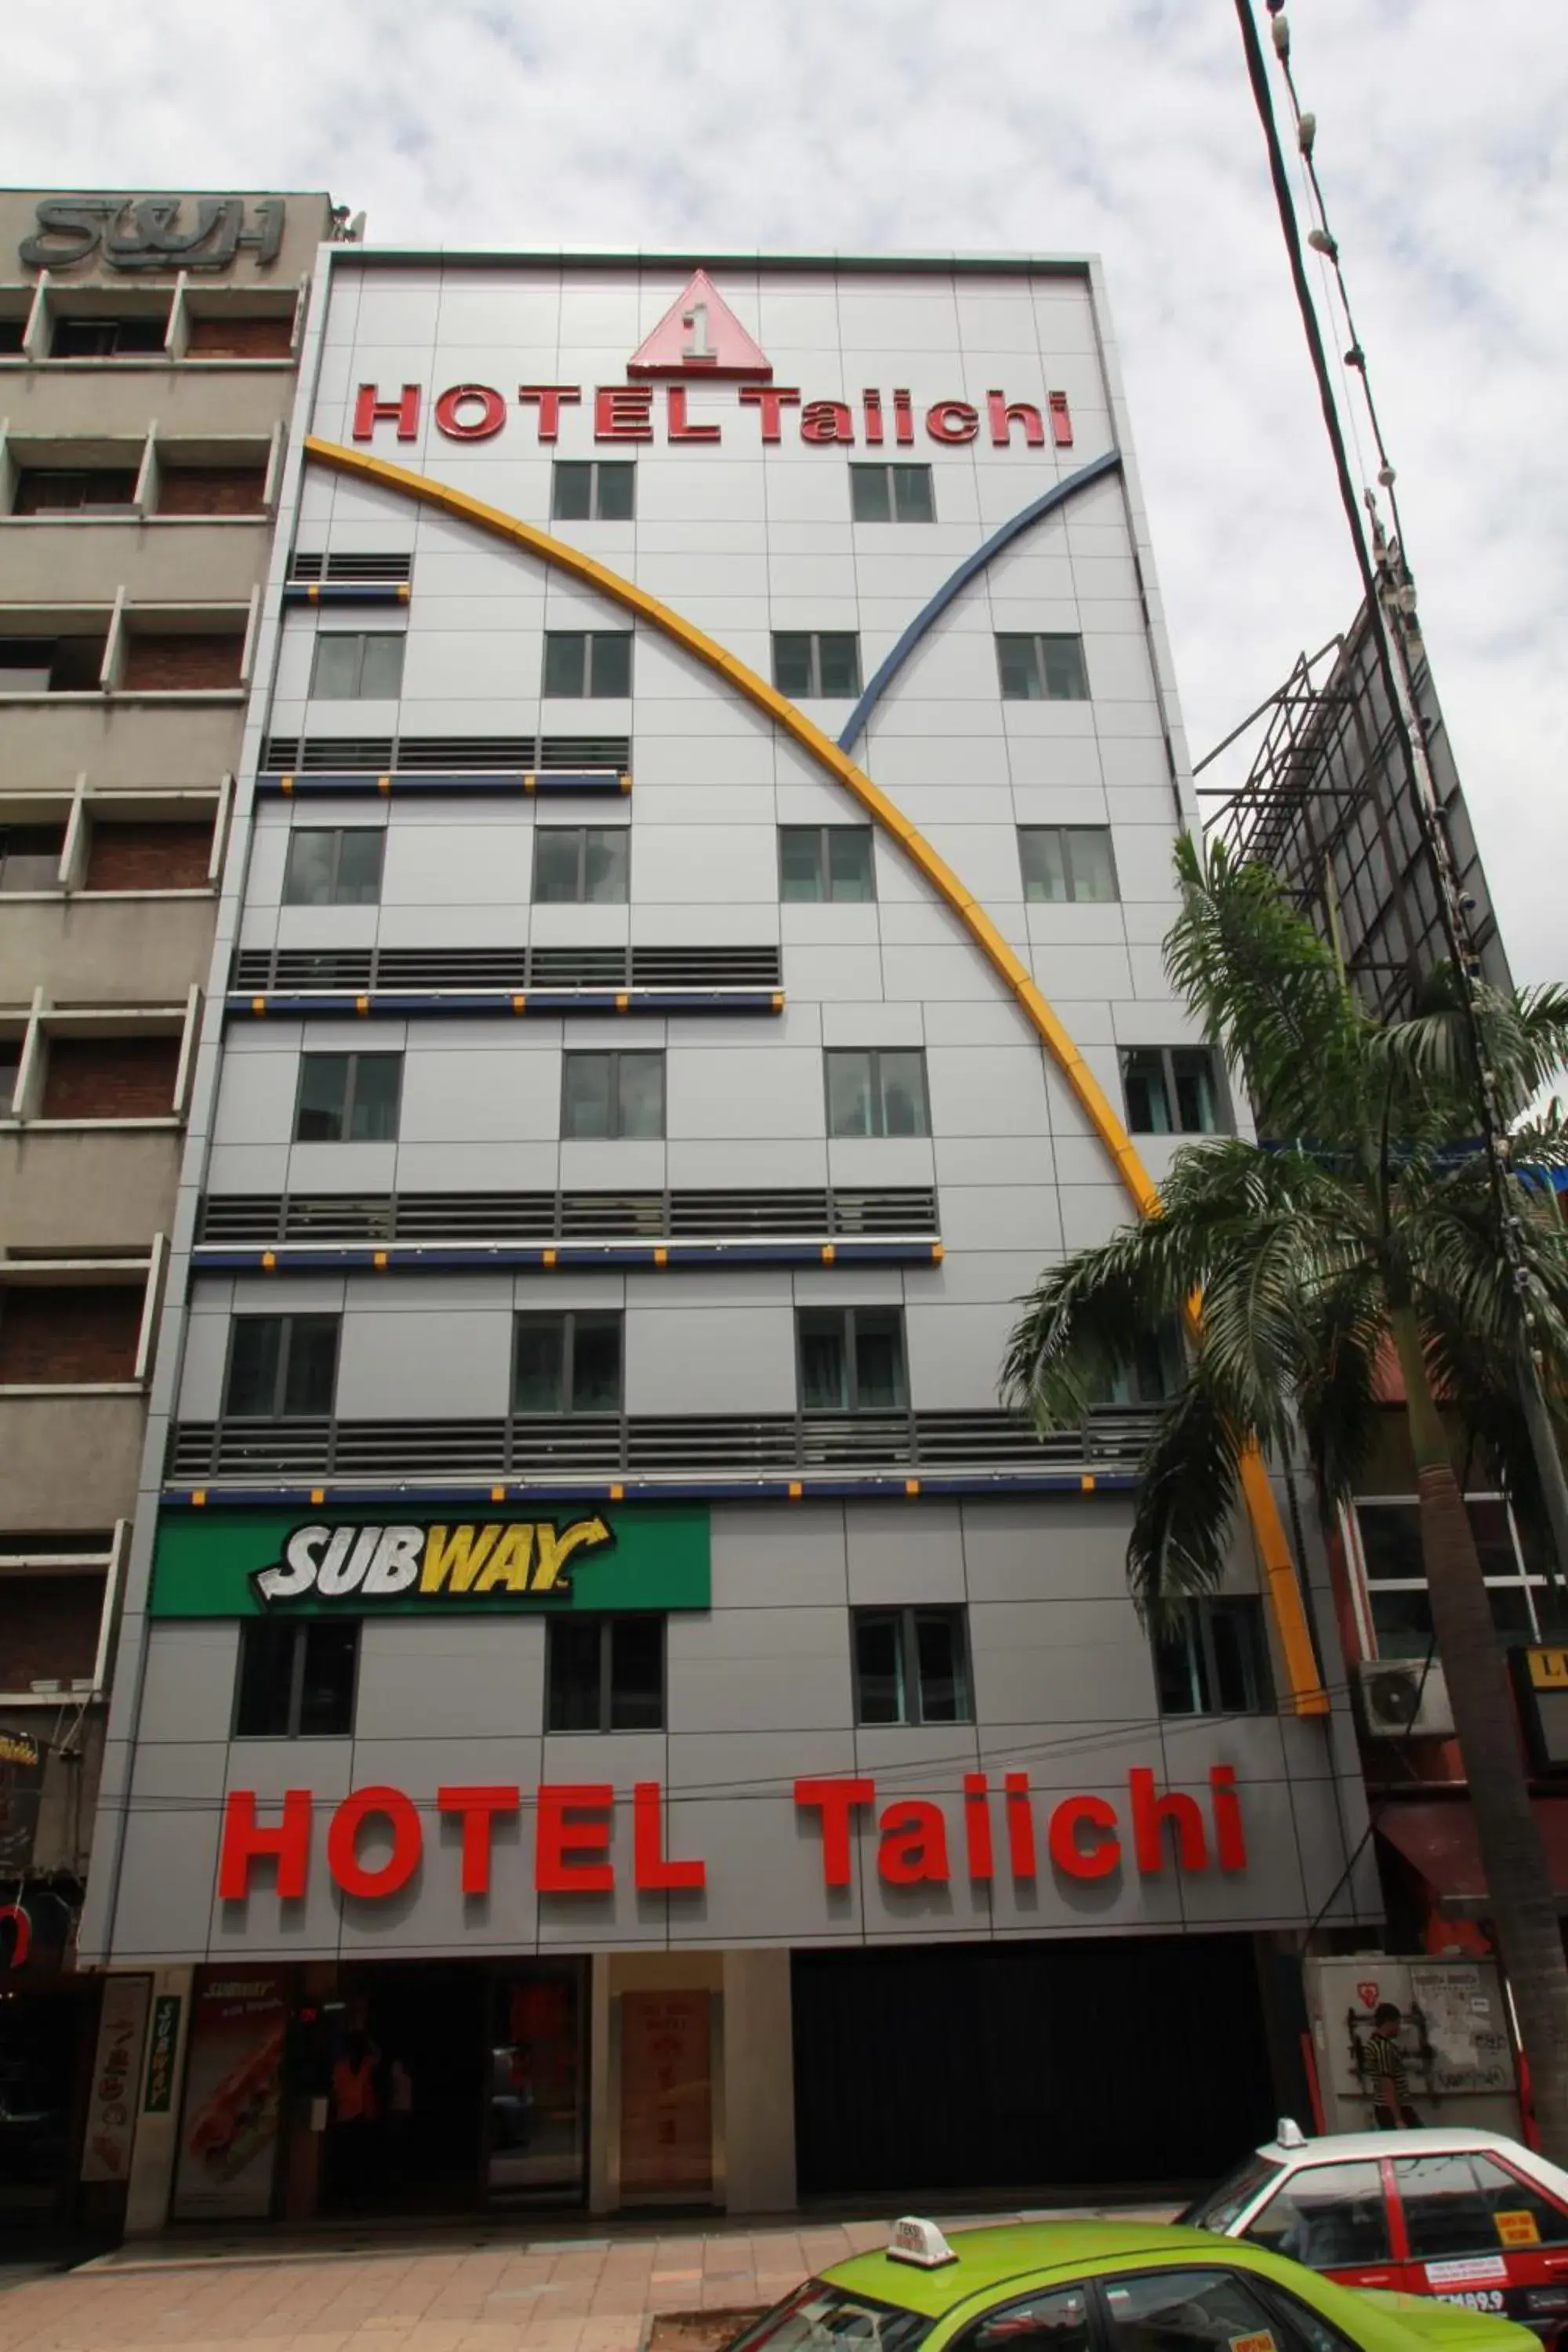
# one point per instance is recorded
(1522, 1908)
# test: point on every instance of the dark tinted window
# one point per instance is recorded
(281, 1364)
(568, 1362)
(604, 1673)
(912, 1665)
(1185, 2311)
(1057, 2321)
(295, 1678)
(1462, 2204)
(1328, 2216)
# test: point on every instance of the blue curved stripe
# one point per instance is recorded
(1058, 496)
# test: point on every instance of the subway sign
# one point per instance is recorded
(363, 1563)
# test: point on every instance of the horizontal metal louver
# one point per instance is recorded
(651, 1445)
(734, 1213)
(349, 566)
(560, 751)
(747, 967)
(578, 967)
(304, 968)
(507, 967)
(446, 754)
(475, 752)
(451, 968)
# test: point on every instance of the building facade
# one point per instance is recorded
(602, 1679)
(147, 354)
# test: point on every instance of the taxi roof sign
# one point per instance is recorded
(921, 2242)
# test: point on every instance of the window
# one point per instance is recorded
(612, 1095)
(1455, 2205)
(1063, 862)
(582, 865)
(358, 666)
(1154, 1374)
(877, 1090)
(1041, 668)
(816, 2316)
(1398, 1599)
(51, 664)
(568, 1362)
(1213, 1659)
(1054, 2319)
(30, 856)
(912, 1665)
(348, 1099)
(56, 490)
(892, 494)
(107, 339)
(820, 663)
(602, 491)
(1185, 2311)
(604, 1673)
(281, 1366)
(592, 662)
(820, 862)
(1326, 2216)
(295, 1678)
(1170, 1090)
(10, 1070)
(851, 1359)
(334, 865)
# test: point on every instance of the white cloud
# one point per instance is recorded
(1121, 126)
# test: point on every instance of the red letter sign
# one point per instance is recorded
(914, 1844)
(478, 1809)
(549, 397)
(407, 1843)
(678, 427)
(1002, 415)
(245, 1841)
(835, 1798)
(1150, 1814)
(1229, 1838)
(369, 407)
(652, 1871)
(952, 420)
(490, 418)
(1073, 1859)
(772, 399)
(558, 1838)
(622, 411)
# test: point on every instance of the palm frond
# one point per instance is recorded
(1269, 991)
(1189, 1481)
(1337, 1394)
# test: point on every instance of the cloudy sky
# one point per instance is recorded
(1121, 126)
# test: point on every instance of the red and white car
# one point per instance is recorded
(1469, 2216)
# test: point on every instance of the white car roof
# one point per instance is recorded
(1348, 2147)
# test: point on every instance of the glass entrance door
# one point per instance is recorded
(537, 2120)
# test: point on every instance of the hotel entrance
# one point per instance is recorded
(451, 2085)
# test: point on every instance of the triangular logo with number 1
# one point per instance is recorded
(700, 335)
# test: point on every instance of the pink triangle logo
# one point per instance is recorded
(700, 335)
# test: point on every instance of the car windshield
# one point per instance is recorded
(1220, 2210)
(819, 2318)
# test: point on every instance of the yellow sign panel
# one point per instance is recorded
(1549, 1669)
(1516, 2228)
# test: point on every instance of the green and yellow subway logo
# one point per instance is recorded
(531, 1558)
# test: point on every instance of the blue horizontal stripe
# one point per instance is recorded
(385, 1005)
(440, 1257)
(939, 1483)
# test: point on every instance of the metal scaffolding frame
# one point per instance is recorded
(1328, 804)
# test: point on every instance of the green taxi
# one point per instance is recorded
(1103, 2286)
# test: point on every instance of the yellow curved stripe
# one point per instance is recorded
(1307, 1692)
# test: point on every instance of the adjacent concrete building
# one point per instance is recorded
(147, 354)
(599, 1670)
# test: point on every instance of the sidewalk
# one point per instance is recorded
(466, 2289)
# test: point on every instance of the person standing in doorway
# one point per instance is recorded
(399, 2123)
(355, 2110)
(1382, 2072)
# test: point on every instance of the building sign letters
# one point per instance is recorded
(364, 1564)
(145, 233)
(1085, 1837)
(360, 1563)
(628, 412)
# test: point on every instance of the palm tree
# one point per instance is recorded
(1365, 1221)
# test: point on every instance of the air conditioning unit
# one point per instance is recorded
(1404, 1698)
